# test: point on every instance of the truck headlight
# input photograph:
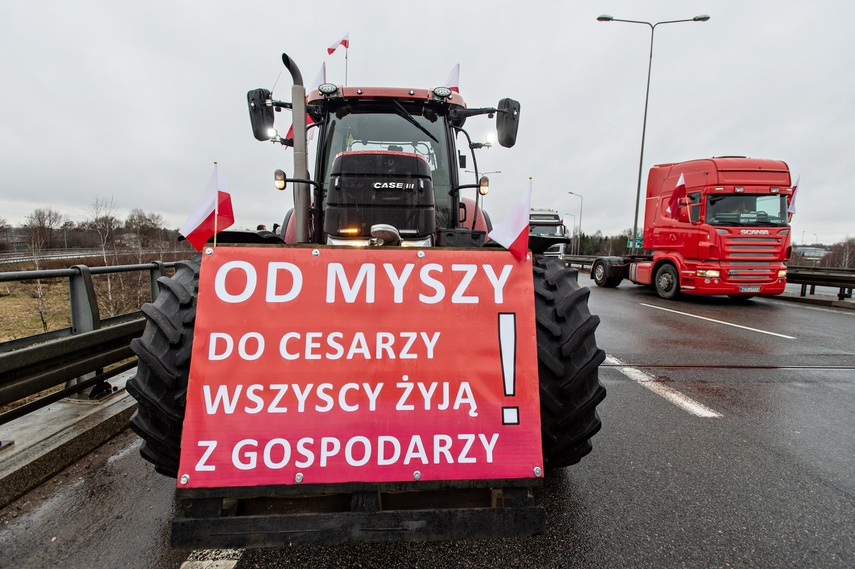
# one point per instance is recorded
(782, 274)
(708, 274)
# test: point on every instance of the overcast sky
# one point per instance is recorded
(136, 100)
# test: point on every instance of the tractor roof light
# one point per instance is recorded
(328, 89)
(442, 92)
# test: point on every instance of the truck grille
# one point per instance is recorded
(743, 248)
(751, 259)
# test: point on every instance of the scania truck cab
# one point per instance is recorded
(716, 226)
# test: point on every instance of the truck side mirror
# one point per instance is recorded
(260, 113)
(507, 122)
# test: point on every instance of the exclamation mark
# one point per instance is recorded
(508, 353)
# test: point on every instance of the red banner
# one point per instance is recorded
(361, 365)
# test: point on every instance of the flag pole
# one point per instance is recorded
(346, 49)
(216, 200)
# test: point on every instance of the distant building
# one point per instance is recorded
(810, 253)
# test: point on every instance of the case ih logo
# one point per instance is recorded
(394, 186)
(754, 232)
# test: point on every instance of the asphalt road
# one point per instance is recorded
(727, 441)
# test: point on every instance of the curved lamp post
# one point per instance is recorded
(605, 18)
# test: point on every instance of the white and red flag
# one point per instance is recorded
(345, 41)
(453, 81)
(679, 193)
(213, 213)
(320, 78)
(512, 232)
(791, 209)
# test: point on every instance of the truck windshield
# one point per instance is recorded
(766, 210)
(547, 230)
(391, 126)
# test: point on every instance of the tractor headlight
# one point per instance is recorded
(279, 179)
(483, 185)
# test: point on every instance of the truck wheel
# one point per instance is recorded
(567, 361)
(598, 271)
(667, 281)
(160, 384)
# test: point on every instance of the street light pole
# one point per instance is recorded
(579, 240)
(606, 18)
(574, 229)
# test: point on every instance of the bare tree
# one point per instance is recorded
(40, 225)
(4, 234)
(146, 229)
(841, 255)
(103, 221)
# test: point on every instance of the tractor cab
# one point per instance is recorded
(386, 167)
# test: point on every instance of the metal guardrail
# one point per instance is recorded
(74, 356)
(841, 279)
(24, 256)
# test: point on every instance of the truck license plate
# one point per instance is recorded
(749, 289)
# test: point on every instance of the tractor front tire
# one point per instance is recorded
(567, 360)
(160, 384)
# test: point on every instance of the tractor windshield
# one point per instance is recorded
(393, 126)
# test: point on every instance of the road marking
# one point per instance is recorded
(644, 379)
(212, 559)
(719, 321)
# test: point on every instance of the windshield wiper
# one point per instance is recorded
(402, 112)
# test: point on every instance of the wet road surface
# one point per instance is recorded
(768, 480)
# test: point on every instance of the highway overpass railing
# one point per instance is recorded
(46, 367)
(812, 277)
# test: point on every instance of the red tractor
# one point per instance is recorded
(383, 206)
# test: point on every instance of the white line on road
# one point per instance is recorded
(719, 321)
(644, 379)
(212, 559)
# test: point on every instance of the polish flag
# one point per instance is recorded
(512, 232)
(453, 81)
(791, 209)
(679, 192)
(213, 213)
(345, 41)
(321, 77)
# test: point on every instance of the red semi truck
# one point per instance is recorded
(714, 226)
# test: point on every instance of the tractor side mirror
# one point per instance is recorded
(260, 113)
(507, 122)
